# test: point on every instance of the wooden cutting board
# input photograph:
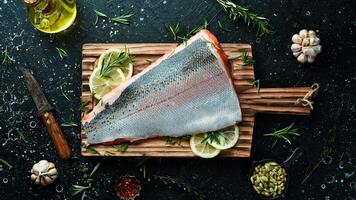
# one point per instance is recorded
(268, 100)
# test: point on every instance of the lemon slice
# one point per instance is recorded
(226, 139)
(101, 85)
(201, 147)
(126, 65)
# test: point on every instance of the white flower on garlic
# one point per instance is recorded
(306, 46)
(44, 173)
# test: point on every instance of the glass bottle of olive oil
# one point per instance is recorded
(51, 16)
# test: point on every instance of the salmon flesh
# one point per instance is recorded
(185, 92)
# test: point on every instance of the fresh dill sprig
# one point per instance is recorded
(69, 123)
(63, 92)
(247, 60)
(285, 133)
(122, 147)
(62, 53)
(236, 12)
(195, 30)
(91, 150)
(77, 189)
(5, 163)
(174, 30)
(110, 62)
(222, 28)
(6, 58)
(123, 19)
(255, 84)
(98, 15)
(21, 135)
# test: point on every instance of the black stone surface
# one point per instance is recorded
(334, 69)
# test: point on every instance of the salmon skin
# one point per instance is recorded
(185, 92)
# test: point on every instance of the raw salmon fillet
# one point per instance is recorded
(185, 92)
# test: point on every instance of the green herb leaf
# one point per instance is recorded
(123, 19)
(176, 140)
(4, 162)
(122, 147)
(236, 12)
(256, 84)
(109, 63)
(83, 105)
(69, 124)
(91, 150)
(62, 53)
(285, 133)
(62, 91)
(174, 30)
(6, 58)
(195, 30)
(246, 59)
(94, 169)
(20, 135)
(99, 14)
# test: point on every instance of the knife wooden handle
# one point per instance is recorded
(57, 136)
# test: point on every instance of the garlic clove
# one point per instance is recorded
(314, 41)
(41, 166)
(317, 49)
(52, 171)
(305, 42)
(311, 59)
(48, 179)
(38, 180)
(297, 39)
(303, 33)
(296, 47)
(43, 182)
(311, 33)
(33, 177)
(296, 54)
(309, 51)
(302, 58)
(51, 165)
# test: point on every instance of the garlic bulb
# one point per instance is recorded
(44, 173)
(306, 46)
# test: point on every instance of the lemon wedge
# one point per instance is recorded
(201, 147)
(101, 85)
(225, 139)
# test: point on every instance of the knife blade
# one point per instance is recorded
(46, 115)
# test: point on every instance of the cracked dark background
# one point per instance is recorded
(334, 114)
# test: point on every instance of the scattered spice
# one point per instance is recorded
(69, 123)
(269, 179)
(63, 92)
(128, 188)
(176, 140)
(77, 189)
(255, 84)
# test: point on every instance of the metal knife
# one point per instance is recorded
(47, 116)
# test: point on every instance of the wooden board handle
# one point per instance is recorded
(56, 135)
(276, 100)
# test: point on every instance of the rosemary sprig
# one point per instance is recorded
(62, 91)
(123, 19)
(212, 137)
(122, 147)
(91, 150)
(5, 163)
(110, 62)
(222, 28)
(236, 12)
(62, 53)
(21, 135)
(247, 60)
(98, 15)
(69, 123)
(174, 30)
(255, 84)
(285, 133)
(77, 189)
(6, 58)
